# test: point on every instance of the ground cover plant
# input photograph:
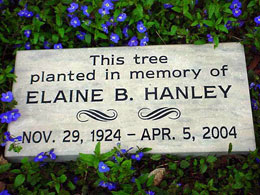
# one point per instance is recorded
(58, 24)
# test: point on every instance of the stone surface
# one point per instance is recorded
(181, 99)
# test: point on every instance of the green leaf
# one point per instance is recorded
(211, 9)
(88, 38)
(238, 185)
(71, 186)
(229, 148)
(188, 15)
(5, 167)
(57, 187)
(184, 164)
(139, 187)
(208, 22)
(87, 158)
(211, 159)
(66, 1)
(203, 168)
(156, 157)
(250, 35)
(173, 30)
(116, 13)
(127, 164)
(19, 180)
(251, 4)
(61, 32)
(142, 179)
(223, 28)
(100, 35)
(172, 166)
(55, 38)
(97, 149)
(177, 9)
(216, 41)
(200, 42)
(8, 69)
(17, 171)
(138, 12)
(58, 20)
(195, 23)
(35, 37)
(146, 149)
(62, 178)
(150, 180)
(3, 38)
(107, 155)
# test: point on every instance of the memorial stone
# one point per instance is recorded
(179, 99)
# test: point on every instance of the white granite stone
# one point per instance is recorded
(54, 113)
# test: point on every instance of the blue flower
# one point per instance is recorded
(7, 97)
(27, 33)
(150, 192)
(4, 192)
(1, 1)
(252, 85)
(27, 45)
(179, 184)
(121, 17)
(14, 114)
(81, 35)
(140, 27)
(75, 22)
(111, 22)
(52, 155)
(75, 180)
(108, 5)
(16, 139)
(133, 41)
(257, 19)
(40, 157)
(114, 37)
(236, 12)
(37, 16)
(21, 13)
(167, 6)
(241, 23)
(257, 160)
(133, 180)
(137, 156)
(254, 104)
(125, 29)
(71, 15)
(7, 137)
(111, 186)
(73, 7)
(235, 4)
(105, 29)
(210, 38)
(46, 45)
(58, 46)
(103, 12)
(102, 184)
(228, 25)
(144, 41)
(102, 167)
(5, 117)
(85, 10)
(28, 14)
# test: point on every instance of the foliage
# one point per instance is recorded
(60, 24)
